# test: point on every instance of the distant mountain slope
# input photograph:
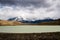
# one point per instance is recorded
(55, 22)
(9, 23)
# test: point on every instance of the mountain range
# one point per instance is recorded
(29, 21)
(20, 21)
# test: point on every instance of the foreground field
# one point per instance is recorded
(30, 36)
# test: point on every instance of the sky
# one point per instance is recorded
(30, 9)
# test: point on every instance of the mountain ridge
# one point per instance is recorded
(27, 21)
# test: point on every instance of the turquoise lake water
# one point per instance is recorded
(29, 29)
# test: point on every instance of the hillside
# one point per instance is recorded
(9, 23)
(55, 22)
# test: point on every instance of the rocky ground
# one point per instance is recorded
(30, 36)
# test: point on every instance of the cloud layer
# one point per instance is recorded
(30, 9)
(25, 3)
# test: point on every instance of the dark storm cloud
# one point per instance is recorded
(24, 3)
(30, 9)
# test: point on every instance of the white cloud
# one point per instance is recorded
(31, 13)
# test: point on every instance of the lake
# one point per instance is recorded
(29, 29)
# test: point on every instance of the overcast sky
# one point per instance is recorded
(30, 9)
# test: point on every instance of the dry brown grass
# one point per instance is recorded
(9, 23)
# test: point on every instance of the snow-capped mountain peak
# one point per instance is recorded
(15, 19)
(20, 19)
